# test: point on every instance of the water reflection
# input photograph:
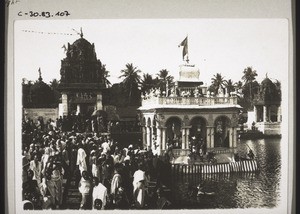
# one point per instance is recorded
(236, 190)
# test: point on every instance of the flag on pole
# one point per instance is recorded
(184, 43)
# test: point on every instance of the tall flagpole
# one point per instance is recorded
(187, 52)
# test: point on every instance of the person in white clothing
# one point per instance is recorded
(139, 188)
(45, 158)
(85, 190)
(116, 181)
(81, 162)
(105, 146)
(99, 192)
(36, 167)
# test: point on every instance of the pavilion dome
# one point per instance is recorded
(267, 83)
(268, 87)
(41, 94)
(40, 86)
(269, 93)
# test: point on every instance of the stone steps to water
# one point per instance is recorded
(202, 168)
(73, 199)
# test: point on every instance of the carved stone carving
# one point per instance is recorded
(81, 64)
(186, 120)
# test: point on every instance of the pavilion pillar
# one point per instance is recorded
(208, 142)
(269, 113)
(78, 109)
(152, 137)
(158, 140)
(212, 137)
(231, 137)
(148, 137)
(64, 100)
(144, 136)
(265, 113)
(255, 114)
(183, 139)
(279, 114)
(234, 136)
(187, 136)
(99, 105)
(163, 143)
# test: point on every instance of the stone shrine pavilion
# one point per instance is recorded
(82, 79)
(267, 108)
(189, 112)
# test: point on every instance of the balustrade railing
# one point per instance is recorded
(190, 100)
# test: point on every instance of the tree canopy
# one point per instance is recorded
(132, 79)
(164, 80)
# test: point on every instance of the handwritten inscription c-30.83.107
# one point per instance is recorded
(44, 14)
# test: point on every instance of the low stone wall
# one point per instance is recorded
(45, 113)
(269, 128)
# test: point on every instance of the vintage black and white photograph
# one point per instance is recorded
(151, 114)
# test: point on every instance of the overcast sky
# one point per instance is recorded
(225, 46)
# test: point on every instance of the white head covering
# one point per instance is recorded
(127, 158)
(139, 175)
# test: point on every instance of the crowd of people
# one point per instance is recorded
(81, 123)
(107, 175)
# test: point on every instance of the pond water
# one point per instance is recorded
(236, 190)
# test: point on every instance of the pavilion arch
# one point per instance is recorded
(198, 127)
(174, 135)
(273, 113)
(148, 122)
(144, 121)
(222, 131)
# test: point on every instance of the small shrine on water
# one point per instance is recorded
(189, 112)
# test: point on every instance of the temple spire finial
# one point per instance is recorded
(40, 74)
(267, 75)
(81, 33)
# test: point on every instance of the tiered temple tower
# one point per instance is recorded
(82, 79)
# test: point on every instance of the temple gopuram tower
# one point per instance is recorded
(82, 79)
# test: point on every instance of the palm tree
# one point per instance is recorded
(164, 79)
(147, 83)
(131, 79)
(54, 84)
(249, 77)
(218, 81)
(238, 85)
(105, 75)
(229, 86)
